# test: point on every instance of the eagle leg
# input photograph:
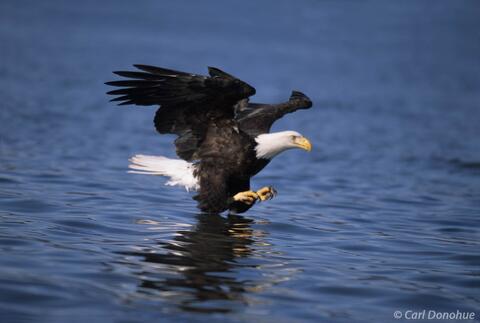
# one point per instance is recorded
(266, 193)
(247, 197)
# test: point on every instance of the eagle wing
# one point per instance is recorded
(188, 102)
(257, 118)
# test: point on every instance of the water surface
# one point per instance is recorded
(383, 215)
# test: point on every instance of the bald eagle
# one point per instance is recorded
(222, 139)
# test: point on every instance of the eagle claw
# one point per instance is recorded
(247, 197)
(266, 193)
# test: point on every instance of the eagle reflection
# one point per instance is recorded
(197, 269)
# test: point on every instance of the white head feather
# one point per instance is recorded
(271, 144)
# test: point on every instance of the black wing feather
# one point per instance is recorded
(159, 70)
(158, 86)
(256, 118)
(188, 102)
(138, 75)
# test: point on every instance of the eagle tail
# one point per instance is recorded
(178, 171)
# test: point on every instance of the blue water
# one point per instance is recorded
(383, 214)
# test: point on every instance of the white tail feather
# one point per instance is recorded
(179, 171)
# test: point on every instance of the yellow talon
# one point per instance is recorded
(266, 193)
(247, 197)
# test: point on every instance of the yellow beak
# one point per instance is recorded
(303, 143)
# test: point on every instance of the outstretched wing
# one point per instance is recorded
(256, 118)
(188, 102)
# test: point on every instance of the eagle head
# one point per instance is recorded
(271, 144)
